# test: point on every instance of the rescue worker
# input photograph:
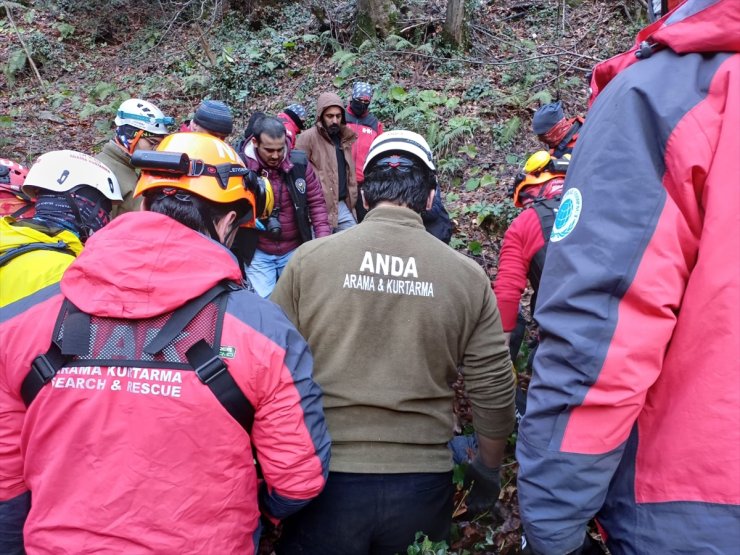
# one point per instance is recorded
(213, 117)
(537, 189)
(13, 201)
(294, 120)
(140, 125)
(367, 127)
(555, 130)
(633, 411)
(135, 431)
(74, 194)
(390, 312)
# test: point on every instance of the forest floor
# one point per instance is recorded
(475, 106)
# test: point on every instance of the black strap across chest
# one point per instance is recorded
(203, 358)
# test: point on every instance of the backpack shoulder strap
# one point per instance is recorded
(213, 372)
(182, 317)
(44, 367)
(59, 246)
(546, 211)
(204, 358)
(299, 159)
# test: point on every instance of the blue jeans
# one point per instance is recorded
(371, 514)
(265, 269)
(345, 219)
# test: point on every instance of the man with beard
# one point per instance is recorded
(328, 145)
(299, 211)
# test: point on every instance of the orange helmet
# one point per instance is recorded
(543, 170)
(550, 185)
(204, 166)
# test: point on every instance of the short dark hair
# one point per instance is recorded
(270, 126)
(194, 211)
(409, 188)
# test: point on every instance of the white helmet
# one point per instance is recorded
(143, 115)
(400, 141)
(64, 170)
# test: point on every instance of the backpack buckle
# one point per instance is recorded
(44, 369)
(210, 370)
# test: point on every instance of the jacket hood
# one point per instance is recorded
(144, 264)
(18, 233)
(695, 26)
(327, 100)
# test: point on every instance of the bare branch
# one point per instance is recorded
(25, 48)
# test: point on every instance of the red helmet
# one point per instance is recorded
(13, 201)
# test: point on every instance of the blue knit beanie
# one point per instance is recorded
(547, 116)
(214, 116)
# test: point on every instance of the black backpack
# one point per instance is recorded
(546, 210)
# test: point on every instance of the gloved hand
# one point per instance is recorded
(485, 484)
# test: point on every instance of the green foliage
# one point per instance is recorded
(15, 65)
(470, 150)
(496, 217)
(505, 133)
(65, 30)
(458, 475)
(424, 546)
(475, 182)
(479, 90)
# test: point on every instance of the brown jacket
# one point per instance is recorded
(390, 313)
(320, 150)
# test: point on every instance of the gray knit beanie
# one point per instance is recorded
(215, 116)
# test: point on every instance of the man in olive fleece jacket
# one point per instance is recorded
(390, 312)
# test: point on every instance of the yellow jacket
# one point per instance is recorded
(31, 271)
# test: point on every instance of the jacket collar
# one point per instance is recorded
(395, 214)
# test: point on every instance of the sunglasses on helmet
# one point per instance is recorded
(395, 162)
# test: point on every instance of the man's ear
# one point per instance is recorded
(253, 140)
(430, 199)
(364, 202)
(225, 228)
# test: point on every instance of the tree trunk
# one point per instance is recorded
(375, 18)
(455, 22)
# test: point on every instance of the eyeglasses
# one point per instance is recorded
(152, 138)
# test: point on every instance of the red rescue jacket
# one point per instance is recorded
(367, 128)
(126, 460)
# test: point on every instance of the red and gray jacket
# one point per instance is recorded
(367, 128)
(124, 459)
(633, 412)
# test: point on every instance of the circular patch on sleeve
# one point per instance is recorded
(568, 214)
